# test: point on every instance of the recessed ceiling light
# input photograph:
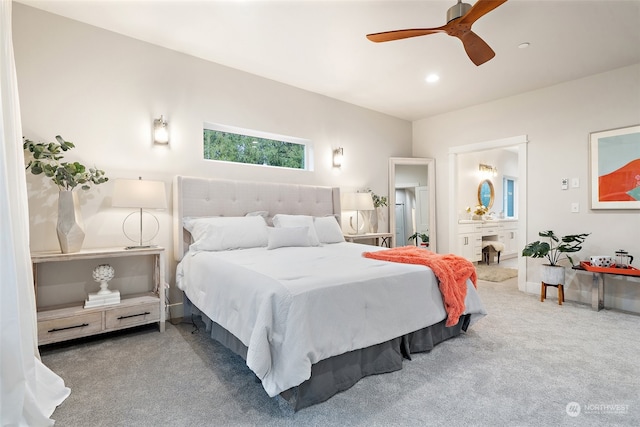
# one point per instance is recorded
(432, 78)
(523, 45)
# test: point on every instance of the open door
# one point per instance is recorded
(400, 232)
(422, 209)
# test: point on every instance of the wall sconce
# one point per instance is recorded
(488, 170)
(160, 131)
(338, 156)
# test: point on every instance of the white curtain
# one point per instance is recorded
(29, 391)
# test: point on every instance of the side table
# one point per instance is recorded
(598, 275)
(72, 320)
(381, 239)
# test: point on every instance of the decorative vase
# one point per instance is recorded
(70, 228)
(552, 274)
(373, 220)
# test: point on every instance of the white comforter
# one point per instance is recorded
(293, 307)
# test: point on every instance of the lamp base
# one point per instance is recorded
(359, 226)
(140, 247)
(134, 231)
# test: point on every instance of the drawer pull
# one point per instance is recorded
(68, 327)
(134, 315)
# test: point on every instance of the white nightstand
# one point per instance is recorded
(69, 321)
(381, 239)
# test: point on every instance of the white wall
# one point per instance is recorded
(415, 175)
(469, 177)
(102, 90)
(558, 121)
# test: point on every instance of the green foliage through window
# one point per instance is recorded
(222, 144)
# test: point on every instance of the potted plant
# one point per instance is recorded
(478, 212)
(378, 201)
(554, 250)
(423, 237)
(47, 159)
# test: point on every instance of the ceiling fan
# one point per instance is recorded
(460, 17)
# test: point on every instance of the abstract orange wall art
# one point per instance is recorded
(615, 168)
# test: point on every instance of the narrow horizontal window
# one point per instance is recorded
(229, 144)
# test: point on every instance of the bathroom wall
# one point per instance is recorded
(506, 161)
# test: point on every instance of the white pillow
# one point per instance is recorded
(188, 222)
(263, 214)
(328, 229)
(223, 233)
(288, 237)
(285, 221)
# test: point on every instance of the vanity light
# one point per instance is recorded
(488, 170)
(160, 131)
(338, 156)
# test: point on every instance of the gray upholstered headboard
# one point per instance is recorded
(196, 197)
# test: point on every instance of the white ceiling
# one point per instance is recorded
(320, 45)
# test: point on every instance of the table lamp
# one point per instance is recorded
(139, 194)
(357, 202)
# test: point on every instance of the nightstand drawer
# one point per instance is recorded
(66, 328)
(132, 315)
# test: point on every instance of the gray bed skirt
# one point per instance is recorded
(338, 373)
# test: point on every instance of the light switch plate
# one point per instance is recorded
(575, 207)
(575, 182)
(564, 184)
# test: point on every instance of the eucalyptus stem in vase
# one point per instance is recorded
(46, 158)
(378, 201)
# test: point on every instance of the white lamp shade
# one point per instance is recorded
(136, 193)
(357, 202)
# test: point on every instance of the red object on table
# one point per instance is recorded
(629, 271)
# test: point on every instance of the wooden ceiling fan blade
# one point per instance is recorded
(478, 10)
(388, 36)
(477, 49)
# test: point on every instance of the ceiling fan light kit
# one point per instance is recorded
(460, 18)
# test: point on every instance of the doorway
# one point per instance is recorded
(517, 144)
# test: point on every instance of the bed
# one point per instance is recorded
(266, 267)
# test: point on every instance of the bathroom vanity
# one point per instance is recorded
(471, 233)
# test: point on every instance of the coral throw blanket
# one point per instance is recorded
(451, 270)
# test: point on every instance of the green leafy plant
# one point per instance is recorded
(378, 201)
(47, 158)
(556, 247)
(423, 236)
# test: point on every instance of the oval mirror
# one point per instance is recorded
(486, 194)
